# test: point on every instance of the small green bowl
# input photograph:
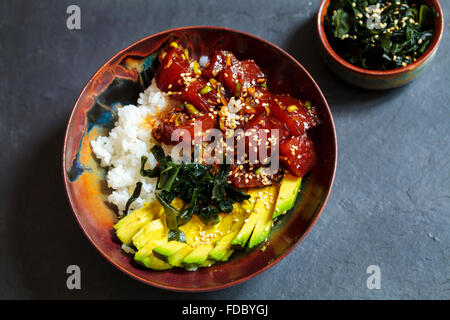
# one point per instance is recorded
(375, 79)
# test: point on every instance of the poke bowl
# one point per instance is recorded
(187, 225)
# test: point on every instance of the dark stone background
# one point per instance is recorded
(390, 205)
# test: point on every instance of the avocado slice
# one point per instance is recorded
(248, 205)
(191, 229)
(287, 195)
(227, 255)
(261, 196)
(167, 249)
(146, 257)
(173, 252)
(231, 227)
(222, 246)
(265, 222)
(129, 225)
(153, 230)
(197, 257)
(207, 263)
(176, 258)
(155, 263)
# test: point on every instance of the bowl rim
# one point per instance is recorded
(347, 65)
(273, 262)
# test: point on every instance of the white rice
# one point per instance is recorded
(121, 151)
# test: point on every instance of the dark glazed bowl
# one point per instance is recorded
(118, 82)
(374, 79)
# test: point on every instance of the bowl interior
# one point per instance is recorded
(118, 82)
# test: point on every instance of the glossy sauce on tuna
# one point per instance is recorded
(208, 93)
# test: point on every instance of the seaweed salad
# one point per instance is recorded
(379, 34)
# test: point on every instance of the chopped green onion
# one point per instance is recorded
(177, 120)
(238, 89)
(308, 104)
(259, 170)
(205, 90)
(292, 108)
(196, 68)
(192, 110)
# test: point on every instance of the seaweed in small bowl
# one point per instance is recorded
(379, 44)
(381, 36)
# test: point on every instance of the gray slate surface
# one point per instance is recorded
(390, 205)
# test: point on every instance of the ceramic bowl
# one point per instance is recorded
(118, 82)
(374, 79)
